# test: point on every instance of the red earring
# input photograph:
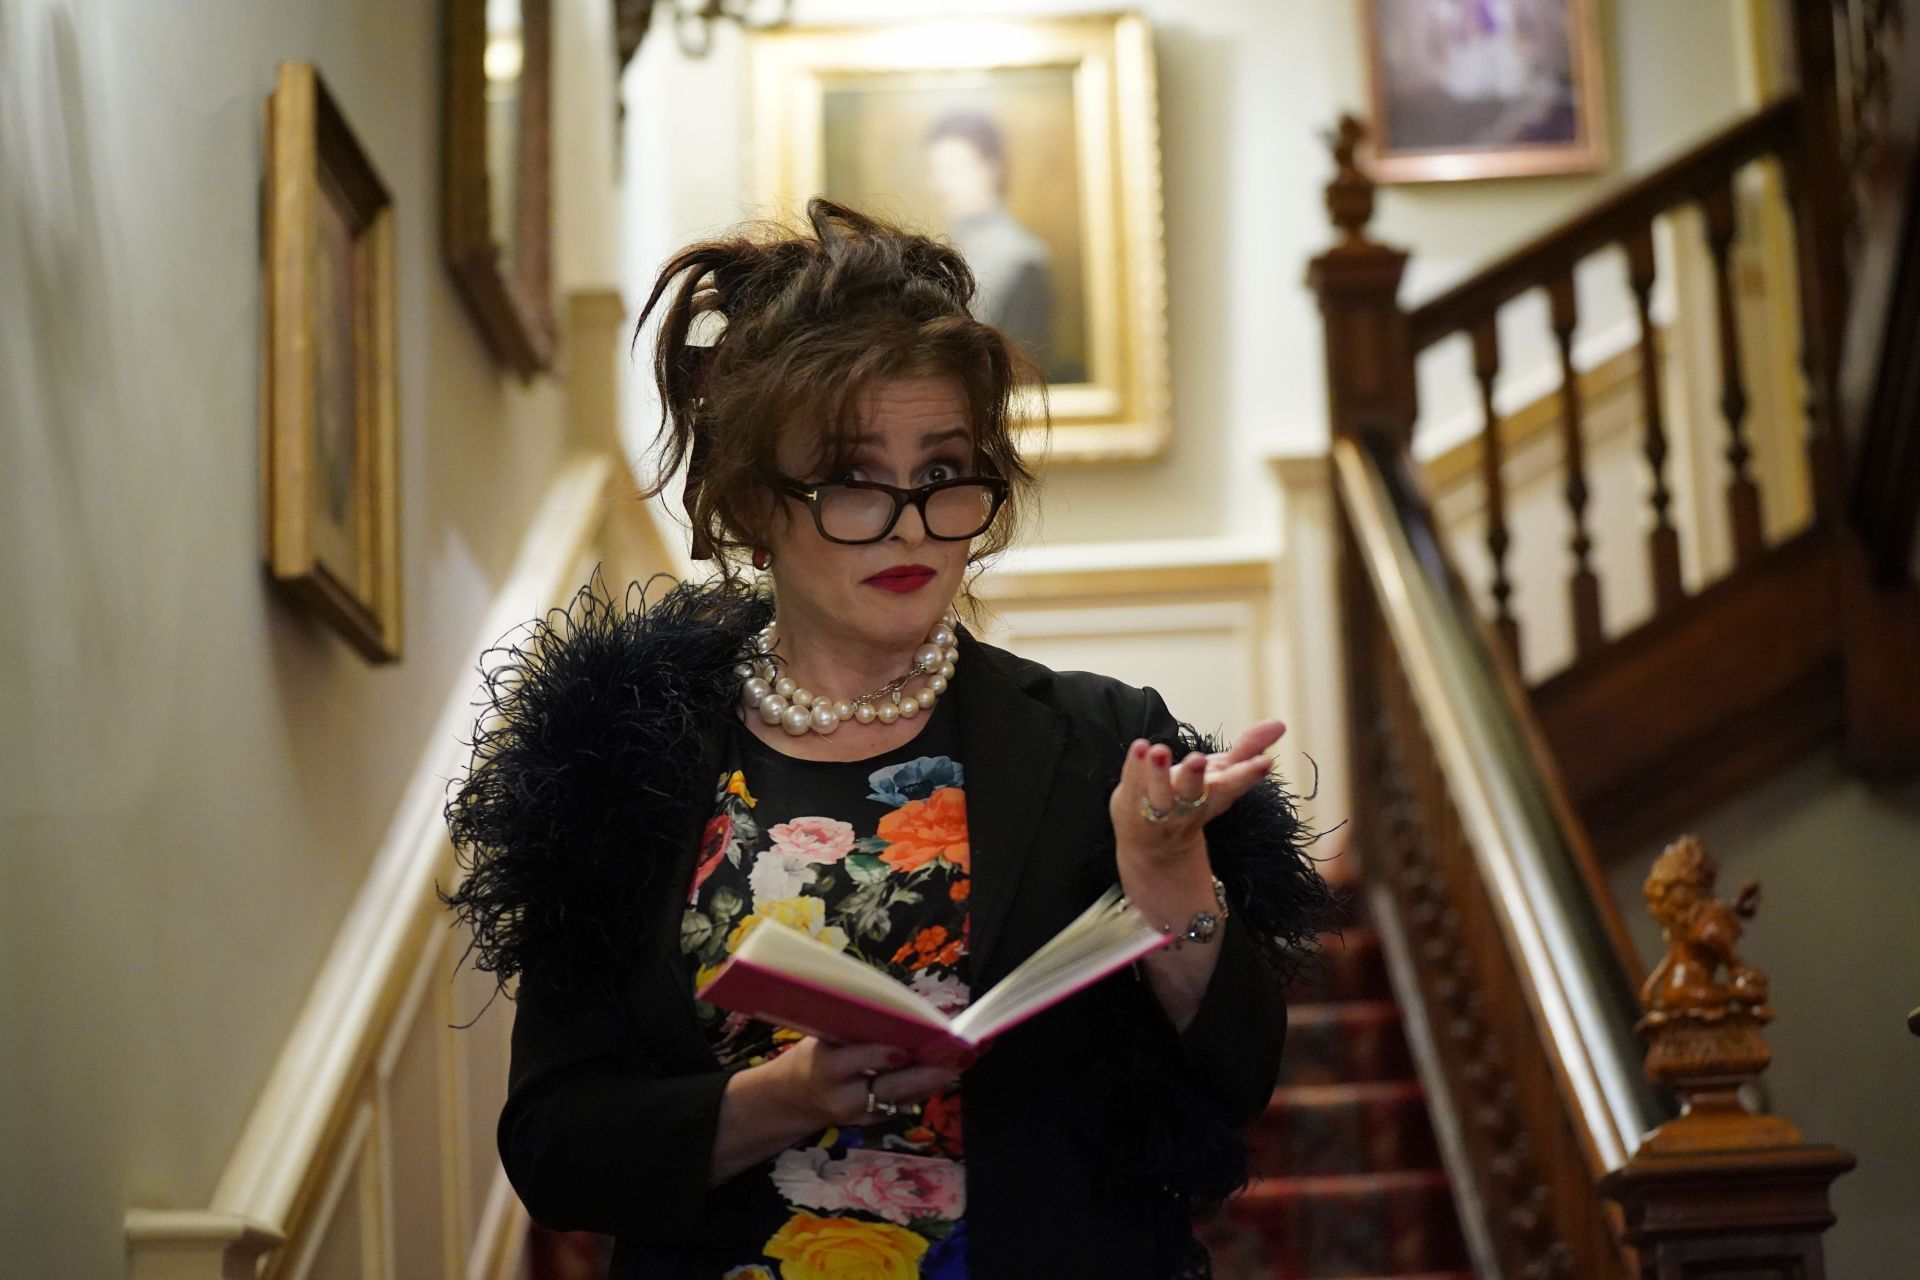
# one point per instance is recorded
(760, 558)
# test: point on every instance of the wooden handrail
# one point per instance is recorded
(1554, 908)
(1688, 177)
(326, 1092)
(340, 1119)
(1518, 1003)
(279, 1159)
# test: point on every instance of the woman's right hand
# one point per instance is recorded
(829, 1082)
(808, 1087)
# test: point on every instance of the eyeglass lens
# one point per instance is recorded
(960, 511)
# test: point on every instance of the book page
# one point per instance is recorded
(1105, 937)
(784, 949)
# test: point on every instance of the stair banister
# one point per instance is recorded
(1569, 951)
(1688, 177)
(1515, 964)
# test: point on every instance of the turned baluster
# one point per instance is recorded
(1582, 586)
(1743, 499)
(1486, 367)
(1663, 542)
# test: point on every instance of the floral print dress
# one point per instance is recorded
(871, 857)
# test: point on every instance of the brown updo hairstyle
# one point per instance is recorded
(809, 321)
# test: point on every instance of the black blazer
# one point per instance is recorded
(1077, 1122)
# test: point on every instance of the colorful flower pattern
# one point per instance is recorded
(815, 1248)
(879, 1202)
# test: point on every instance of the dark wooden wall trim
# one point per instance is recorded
(1884, 505)
(1727, 687)
(1690, 176)
(1879, 372)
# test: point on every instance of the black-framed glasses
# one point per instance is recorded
(856, 511)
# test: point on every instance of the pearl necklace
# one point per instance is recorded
(781, 701)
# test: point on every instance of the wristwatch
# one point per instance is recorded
(1205, 925)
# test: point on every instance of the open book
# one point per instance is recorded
(782, 976)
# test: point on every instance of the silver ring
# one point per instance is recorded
(876, 1107)
(1150, 813)
(1183, 805)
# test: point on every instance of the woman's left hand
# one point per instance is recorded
(1163, 864)
(1222, 777)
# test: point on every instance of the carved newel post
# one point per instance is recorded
(1370, 388)
(1720, 1189)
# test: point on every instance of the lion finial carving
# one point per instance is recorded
(1705, 1008)
(1700, 934)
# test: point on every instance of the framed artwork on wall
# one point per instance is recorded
(1033, 145)
(496, 163)
(1484, 88)
(330, 500)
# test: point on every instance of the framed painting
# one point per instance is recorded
(1484, 88)
(497, 197)
(1033, 146)
(330, 503)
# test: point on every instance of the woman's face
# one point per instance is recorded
(962, 179)
(912, 431)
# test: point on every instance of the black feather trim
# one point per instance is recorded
(1260, 849)
(583, 782)
(1173, 1145)
(581, 756)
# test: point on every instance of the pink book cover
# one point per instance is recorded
(784, 1000)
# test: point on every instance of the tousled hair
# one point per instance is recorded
(809, 321)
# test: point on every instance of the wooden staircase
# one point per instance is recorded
(1347, 1174)
(1484, 808)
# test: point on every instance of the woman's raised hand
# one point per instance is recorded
(1222, 777)
(829, 1082)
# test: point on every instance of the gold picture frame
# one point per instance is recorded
(1034, 145)
(496, 166)
(329, 476)
(1474, 90)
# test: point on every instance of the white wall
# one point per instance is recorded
(195, 775)
(1838, 862)
(1246, 88)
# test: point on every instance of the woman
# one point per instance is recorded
(653, 781)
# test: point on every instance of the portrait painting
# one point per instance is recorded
(496, 174)
(986, 160)
(336, 497)
(1028, 145)
(1484, 88)
(329, 498)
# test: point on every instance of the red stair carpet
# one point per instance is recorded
(1347, 1181)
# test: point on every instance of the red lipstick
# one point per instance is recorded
(902, 578)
